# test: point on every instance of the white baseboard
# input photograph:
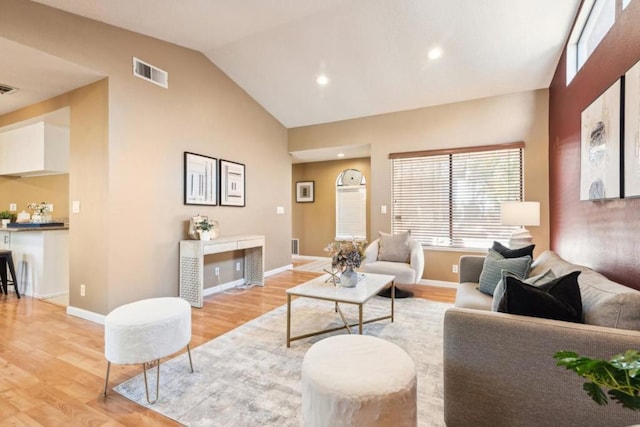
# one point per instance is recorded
(438, 283)
(86, 315)
(278, 270)
(221, 288)
(51, 295)
(236, 283)
(99, 318)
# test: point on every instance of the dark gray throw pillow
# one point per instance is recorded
(513, 253)
(492, 268)
(558, 299)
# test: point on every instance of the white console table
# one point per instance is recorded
(192, 254)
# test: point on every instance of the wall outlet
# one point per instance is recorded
(454, 268)
(237, 266)
(217, 271)
(82, 290)
(13, 207)
(50, 206)
(383, 209)
(75, 207)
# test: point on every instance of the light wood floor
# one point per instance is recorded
(52, 365)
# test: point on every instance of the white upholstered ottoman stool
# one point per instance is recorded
(358, 380)
(145, 331)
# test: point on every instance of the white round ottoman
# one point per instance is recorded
(145, 331)
(358, 380)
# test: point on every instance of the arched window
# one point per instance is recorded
(351, 205)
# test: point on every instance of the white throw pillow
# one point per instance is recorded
(394, 248)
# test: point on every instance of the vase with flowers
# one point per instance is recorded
(346, 256)
(39, 212)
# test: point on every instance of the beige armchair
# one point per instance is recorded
(407, 273)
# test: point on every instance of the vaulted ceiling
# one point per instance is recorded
(374, 53)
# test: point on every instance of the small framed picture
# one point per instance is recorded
(305, 191)
(232, 183)
(200, 179)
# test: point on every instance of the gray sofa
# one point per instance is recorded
(499, 368)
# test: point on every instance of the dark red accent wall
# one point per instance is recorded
(604, 235)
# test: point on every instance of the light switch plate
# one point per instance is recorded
(75, 207)
(280, 209)
(383, 209)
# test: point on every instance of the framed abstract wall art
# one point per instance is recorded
(632, 132)
(200, 179)
(600, 147)
(305, 191)
(232, 183)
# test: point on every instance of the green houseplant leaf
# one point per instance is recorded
(619, 375)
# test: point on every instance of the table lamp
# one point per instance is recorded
(520, 213)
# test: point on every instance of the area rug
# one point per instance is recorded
(248, 377)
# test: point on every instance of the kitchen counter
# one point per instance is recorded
(21, 230)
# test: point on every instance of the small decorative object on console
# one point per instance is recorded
(203, 228)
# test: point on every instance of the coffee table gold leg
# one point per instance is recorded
(288, 320)
(344, 320)
(360, 318)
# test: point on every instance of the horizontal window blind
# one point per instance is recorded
(453, 200)
(351, 212)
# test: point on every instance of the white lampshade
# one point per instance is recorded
(520, 213)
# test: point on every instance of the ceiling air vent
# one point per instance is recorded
(150, 73)
(6, 89)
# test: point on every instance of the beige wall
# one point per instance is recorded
(131, 187)
(52, 189)
(315, 223)
(86, 181)
(500, 119)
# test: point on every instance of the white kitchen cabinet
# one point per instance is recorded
(36, 149)
(5, 240)
(41, 259)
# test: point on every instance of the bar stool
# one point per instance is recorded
(7, 259)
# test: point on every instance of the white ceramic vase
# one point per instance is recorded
(349, 277)
(204, 235)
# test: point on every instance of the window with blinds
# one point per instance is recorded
(351, 212)
(453, 199)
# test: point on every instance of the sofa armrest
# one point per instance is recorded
(470, 268)
(499, 370)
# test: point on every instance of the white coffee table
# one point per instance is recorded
(318, 288)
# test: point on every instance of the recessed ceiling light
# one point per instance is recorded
(322, 80)
(435, 53)
(340, 154)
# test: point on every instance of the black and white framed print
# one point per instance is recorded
(232, 183)
(200, 179)
(305, 191)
